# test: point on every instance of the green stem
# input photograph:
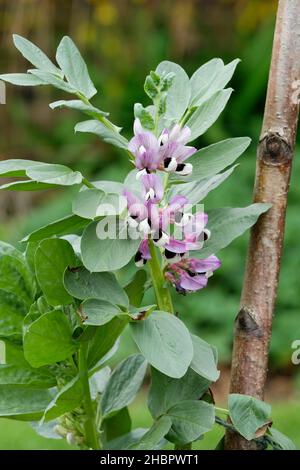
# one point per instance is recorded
(222, 410)
(162, 292)
(187, 115)
(88, 184)
(91, 435)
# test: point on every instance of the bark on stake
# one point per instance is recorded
(274, 162)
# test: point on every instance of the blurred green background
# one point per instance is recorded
(121, 41)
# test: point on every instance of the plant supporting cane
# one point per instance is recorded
(274, 164)
(62, 305)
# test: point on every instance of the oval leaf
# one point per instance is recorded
(204, 362)
(190, 419)
(107, 254)
(49, 339)
(82, 284)
(204, 116)
(68, 398)
(98, 312)
(65, 226)
(227, 224)
(166, 392)
(178, 96)
(105, 133)
(209, 161)
(123, 384)
(165, 342)
(23, 403)
(52, 257)
(248, 414)
(151, 439)
(34, 55)
(73, 66)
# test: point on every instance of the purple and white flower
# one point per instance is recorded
(145, 147)
(191, 274)
(174, 150)
(168, 152)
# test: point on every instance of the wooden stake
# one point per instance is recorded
(273, 170)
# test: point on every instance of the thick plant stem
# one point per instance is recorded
(274, 162)
(91, 435)
(162, 292)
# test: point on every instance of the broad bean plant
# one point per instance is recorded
(63, 306)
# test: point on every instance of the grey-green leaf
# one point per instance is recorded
(111, 136)
(209, 161)
(73, 66)
(15, 275)
(48, 78)
(204, 362)
(49, 339)
(107, 254)
(64, 226)
(23, 403)
(52, 257)
(202, 80)
(166, 392)
(248, 414)
(78, 105)
(52, 174)
(17, 167)
(227, 224)
(82, 284)
(178, 96)
(12, 313)
(210, 78)
(67, 399)
(136, 288)
(22, 79)
(55, 174)
(117, 425)
(26, 186)
(196, 191)
(16, 371)
(190, 419)
(127, 440)
(92, 203)
(281, 440)
(165, 342)
(206, 114)
(123, 384)
(104, 339)
(35, 55)
(151, 439)
(98, 312)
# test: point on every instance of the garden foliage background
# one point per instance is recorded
(121, 40)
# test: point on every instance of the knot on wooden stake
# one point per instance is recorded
(245, 323)
(274, 149)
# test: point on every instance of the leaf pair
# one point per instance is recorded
(41, 175)
(68, 57)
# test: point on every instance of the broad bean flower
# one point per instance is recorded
(166, 152)
(175, 231)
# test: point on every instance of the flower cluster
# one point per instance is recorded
(174, 230)
(191, 274)
(167, 152)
